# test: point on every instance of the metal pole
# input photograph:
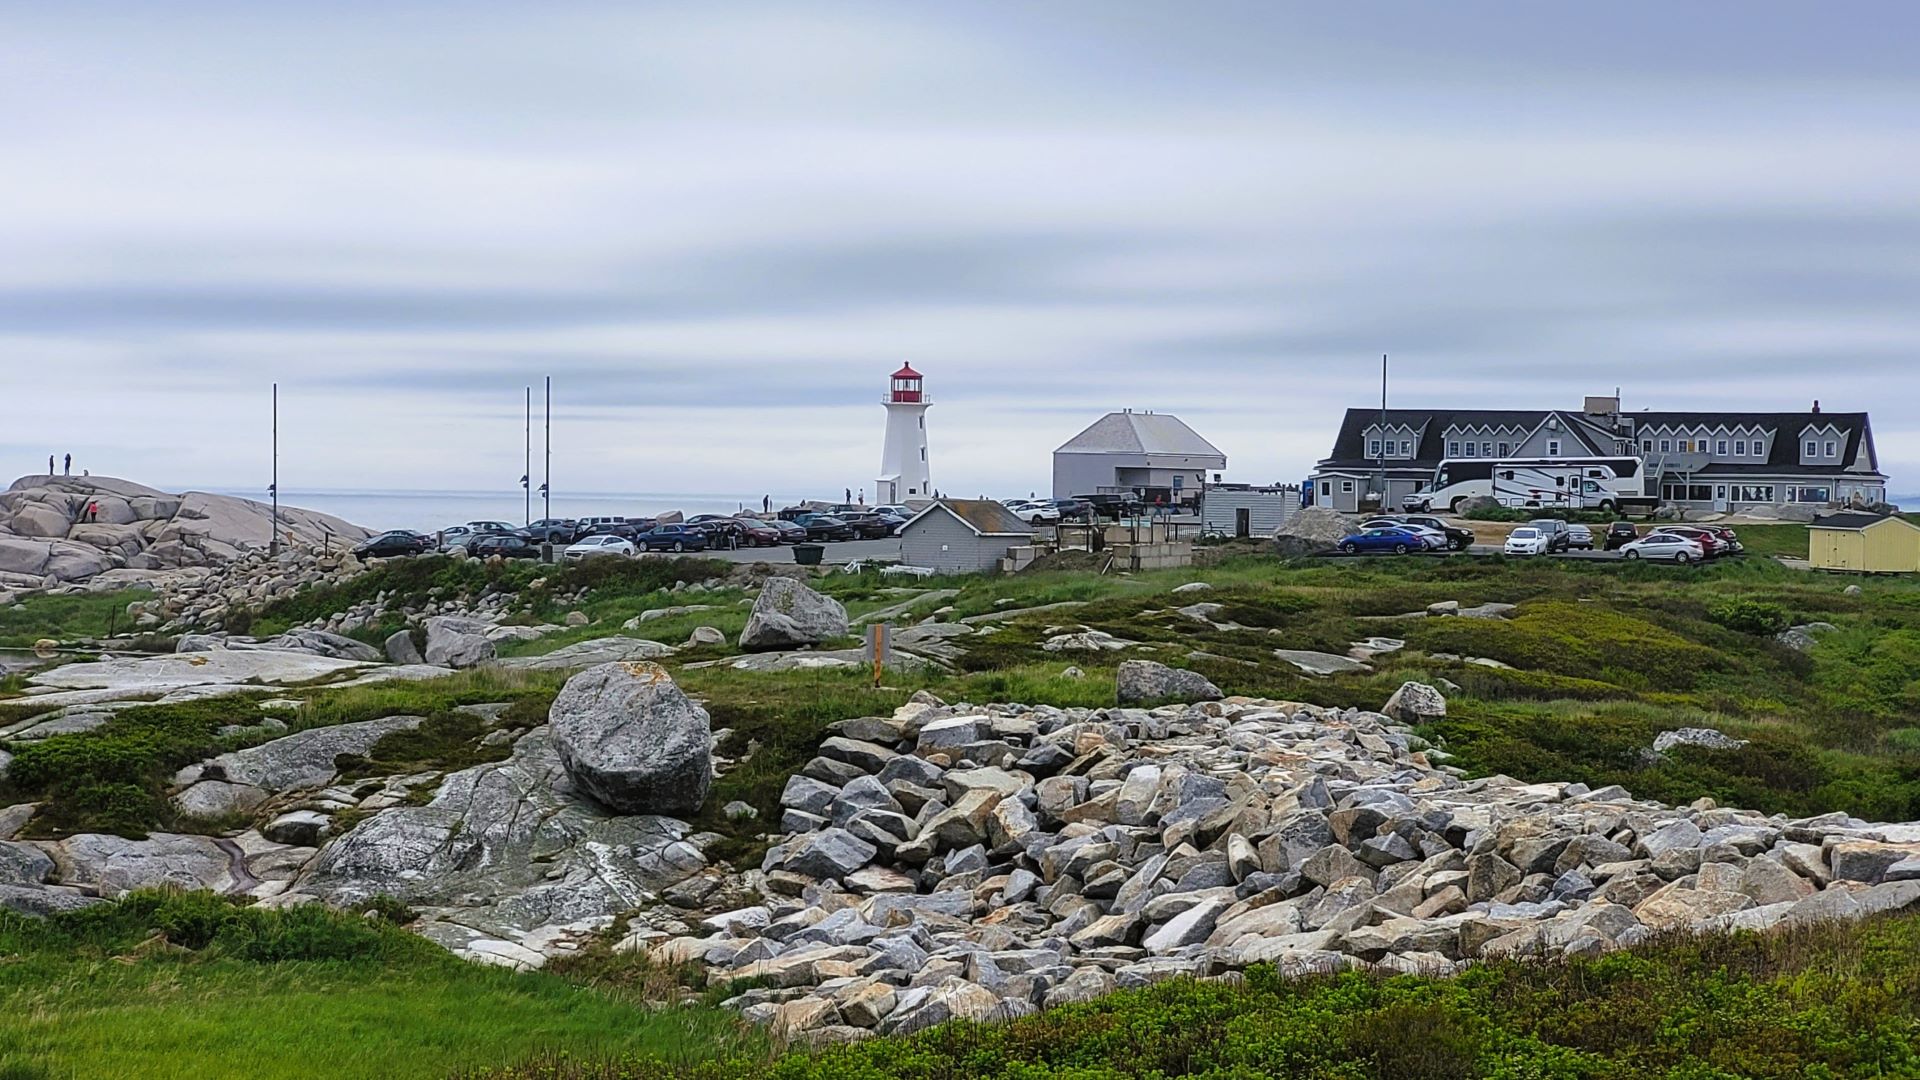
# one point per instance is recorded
(546, 488)
(526, 476)
(1383, 433)
(273, 542)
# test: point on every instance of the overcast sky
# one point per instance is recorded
(720, 226)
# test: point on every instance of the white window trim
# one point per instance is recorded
(1553, 447)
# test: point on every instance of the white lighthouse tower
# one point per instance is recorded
(903, 465)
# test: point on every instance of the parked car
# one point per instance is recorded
(1665, 546)
(554, 530)
(505, 545)
(1458, 539)
(1074, 509)
(758, 533)
(1620, 534)
(870, 526)
(677, 537)
(390, 544)
(594, 546)
(1112, 506)
(1729, 540)
(1399, 541)
(589, 524)
(1035, 511)
(454, 536)
(790, 532)
(625, 530)
(493, 528)
(1708, 542)
(1559, 538)
(1579, 536)
(1527, 540)
(1430, 539)
(824, 527)
(899, 510)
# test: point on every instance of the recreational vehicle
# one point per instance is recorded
(1592, 483)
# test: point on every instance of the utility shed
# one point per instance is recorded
(1244, 510)
(1864, 544)
(962, 536)
(1152, 455)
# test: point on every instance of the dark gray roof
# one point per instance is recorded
(1349, 445)
(1854, 519)
(984, 516)
(1140, 433)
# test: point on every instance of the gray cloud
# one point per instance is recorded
(720, 229)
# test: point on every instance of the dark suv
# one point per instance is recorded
(1113, 507)
(1620, 534)
(1555, 530)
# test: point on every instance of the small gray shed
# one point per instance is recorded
(1245, 510)
(959, 536)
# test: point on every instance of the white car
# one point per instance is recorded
(1430, 536)
(1035, 512)
(600, 545)
(1663, 546)
(1527, 540)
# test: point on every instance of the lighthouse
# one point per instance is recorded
(903, 464)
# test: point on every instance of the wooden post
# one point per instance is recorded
(878, 635)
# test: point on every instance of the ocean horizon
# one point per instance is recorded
(428, 510)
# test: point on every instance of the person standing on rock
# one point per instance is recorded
(67, 466)
(766, 501)
(93, 511)
(49, 464)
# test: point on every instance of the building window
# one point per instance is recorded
(1553, 448)
(1666, 446)
(1647, 447)
(1486, 449)
(1406, 448)
(1505, 449)
(1346, 487)
(1740, 448)
(1453, 449)
(923, 453)
(1471, 447)
(1373, 448)
(1829, 448)
(1720, 448)
(1326, 487)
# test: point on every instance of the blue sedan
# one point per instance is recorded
(673, 538)
(1398, 541)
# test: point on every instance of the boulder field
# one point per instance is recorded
(984, 861)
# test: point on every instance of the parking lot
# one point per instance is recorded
(837, 554)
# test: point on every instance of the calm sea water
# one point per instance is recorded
(430, 510)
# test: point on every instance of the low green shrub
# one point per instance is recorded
(1749, 616)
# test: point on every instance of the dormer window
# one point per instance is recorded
(1470, 449)
(1830, 451)
(1373, 448)
(1453, 449)
(1666, 446)
(1553, 448)
(1739, 448)
(1813, 448)
(1505, 449)
(1646, 446)
(1720, 448)
(1406, 448)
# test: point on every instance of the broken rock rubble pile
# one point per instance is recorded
(981, 862)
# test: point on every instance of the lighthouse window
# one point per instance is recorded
(923, 453)
(923, 423)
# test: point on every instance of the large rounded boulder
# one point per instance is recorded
(632, 740)
(788, 615)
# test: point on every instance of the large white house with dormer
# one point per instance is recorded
(1697, 460)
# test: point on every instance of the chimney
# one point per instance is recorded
(1816, 406)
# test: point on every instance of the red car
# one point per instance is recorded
(758, 533)
(1710, 542)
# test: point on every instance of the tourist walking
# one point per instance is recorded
(93, 510)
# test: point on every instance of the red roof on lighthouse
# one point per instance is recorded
(906, 372)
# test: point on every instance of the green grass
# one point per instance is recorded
(1830, 1001)
(194, 988)
(64, 618)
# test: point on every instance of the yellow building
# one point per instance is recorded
(1864, 544)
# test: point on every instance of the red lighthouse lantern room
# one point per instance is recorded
(906, 385)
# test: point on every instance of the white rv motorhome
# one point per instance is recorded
(1592, 483)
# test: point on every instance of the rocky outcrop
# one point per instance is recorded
(988, 861)
(46, 537)
(787, 615)
(1146, 680)
(1415, 703)
(506, 858)
(458, 643)
(584, 654)
(632, 740)
(1313, 529)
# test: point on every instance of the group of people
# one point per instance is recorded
(66, 466)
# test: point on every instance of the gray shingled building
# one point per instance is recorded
(960, 536)
(1152, 455)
